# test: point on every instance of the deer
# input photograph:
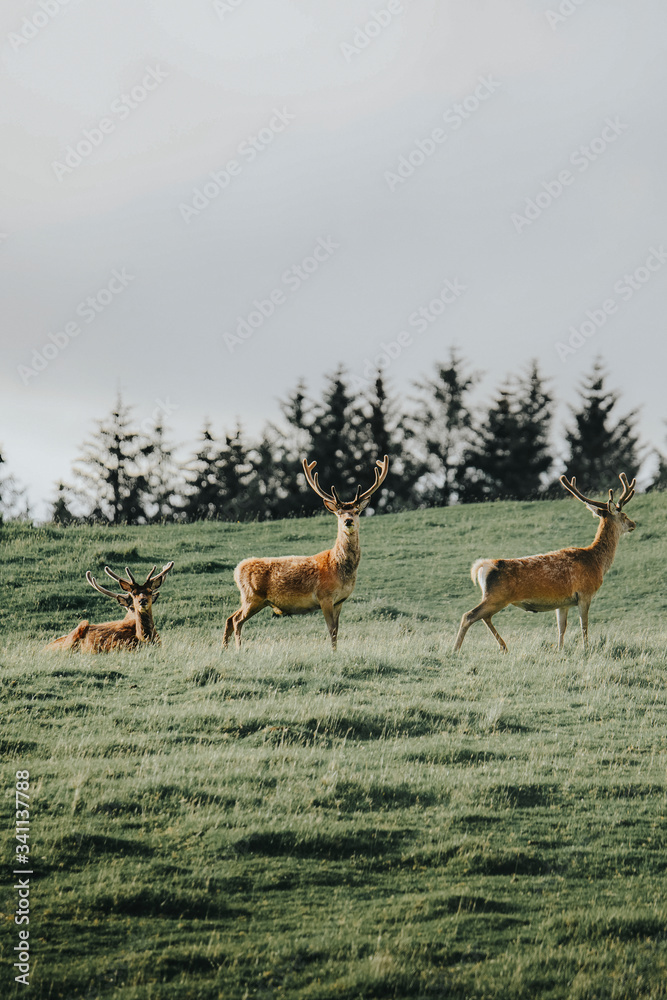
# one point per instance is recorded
(299, 585)
(135, 629)
(554, 581)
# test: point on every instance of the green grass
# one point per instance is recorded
(388, 821)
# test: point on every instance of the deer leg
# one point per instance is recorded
(241, 617)
(484, 611)
(229, 627)
(584, 605)
(489, 624)
(561, 618)
(331, 616)
(336, 611)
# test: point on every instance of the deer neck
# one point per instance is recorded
(145, 628)
(346, 552)
(605, 543)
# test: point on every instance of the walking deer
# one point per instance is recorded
(135, 628)
(555, 581)
(298, 585)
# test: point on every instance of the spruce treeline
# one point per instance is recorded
(442, 450)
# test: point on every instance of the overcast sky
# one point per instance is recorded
(204, 201)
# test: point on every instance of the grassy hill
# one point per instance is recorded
(388, 821)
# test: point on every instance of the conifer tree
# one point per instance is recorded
(219, 479)
(335, 440)
(440, 429)
(112, 470)
(509, 454)
(332, 433)
(235, 475)
(600, 444)
(659, 481)
(273, 490)
(532, 452)
(202, 495)
(386, 434)
(164, 481)
(60, 512)
(13, 501)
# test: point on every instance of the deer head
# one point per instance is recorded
(607, 509)
(347, 512)
(137, 598)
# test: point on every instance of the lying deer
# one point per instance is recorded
(555, 581)
(297, 585)
(135, 628)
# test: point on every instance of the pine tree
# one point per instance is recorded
(331, 432)
(112, 470)
(440, 429)
(60, 512)
(510, 453)
(297, 410)
(235, 475)
(220, 480)
(386, 433)
(202, 495)
(335, 441)
(273, 490)
(13, 501)
(489, 468)
(164, 482)
(659, 481)
(532, 453)
(600, 445)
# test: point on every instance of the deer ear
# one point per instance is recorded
(363, 505)
(125, 600)
(330, 505)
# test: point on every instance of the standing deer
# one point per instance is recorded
(555, 581)
(297, 585)
(135, 628)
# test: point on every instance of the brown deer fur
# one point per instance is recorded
(298, 585)
(555, 581)
(136, 628)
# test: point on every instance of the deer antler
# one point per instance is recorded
(93, 583)
(158, 580)
(153, 581)
(626, 495)
(572, 487)
(125, 584)
(628, 490)
(359, 497)
(380, 476)
(314, 483)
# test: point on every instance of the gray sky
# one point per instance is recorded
(204, 201)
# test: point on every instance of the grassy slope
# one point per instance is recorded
(388, 821)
